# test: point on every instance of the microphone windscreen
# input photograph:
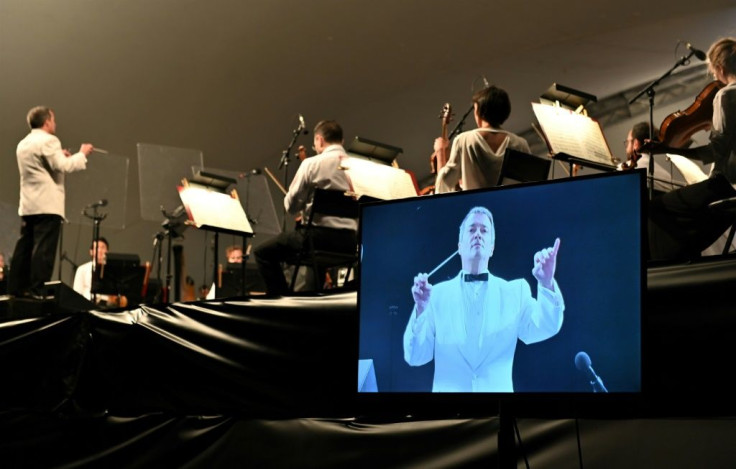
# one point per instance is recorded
(582, 361)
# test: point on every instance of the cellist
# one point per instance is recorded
(681, 225)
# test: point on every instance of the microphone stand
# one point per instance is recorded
(157, 257)
(459, 127)
(96, 219)
(649, 91)
(284, 163)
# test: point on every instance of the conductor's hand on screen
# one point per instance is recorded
(545, 263)
(421, 291)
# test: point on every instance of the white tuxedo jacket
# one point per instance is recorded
(509, 313)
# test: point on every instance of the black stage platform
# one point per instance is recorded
(269, 382)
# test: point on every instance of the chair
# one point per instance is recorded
(520, 167)
(726, 206)
(326, 202)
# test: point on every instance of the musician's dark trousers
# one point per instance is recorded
(286, 246)
(681, 224)
(33, 257)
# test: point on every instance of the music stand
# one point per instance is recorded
(372, 150)
(566, 96)
(518, 167)
(159, 169)
(255, 197)
(209, 207)
(121, 275)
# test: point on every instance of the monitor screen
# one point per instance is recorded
(552, 304)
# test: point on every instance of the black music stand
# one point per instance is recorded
(520, 167)
(566, 96)
(210, 207)
(372, 150)
(121, 275)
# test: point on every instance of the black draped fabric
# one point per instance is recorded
(269, 382)
(262, 358)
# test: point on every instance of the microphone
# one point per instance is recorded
(583, 363)
(302, 126)
(252, 172)
(99, 203)
(696, 52)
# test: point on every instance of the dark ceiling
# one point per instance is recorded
(229, 78)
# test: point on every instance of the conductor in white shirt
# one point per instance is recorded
(470, 324)
(42, 164)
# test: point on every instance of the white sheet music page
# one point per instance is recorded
(572, 133)
(213, 210)
(689, 169)
(379, 181)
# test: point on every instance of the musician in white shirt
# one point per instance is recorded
(83, 275)
(476, 156)
(321, 171)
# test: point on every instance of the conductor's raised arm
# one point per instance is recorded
(421, 290)
(545, 263)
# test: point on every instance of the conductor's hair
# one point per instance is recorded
(38, 116)
(473, 211)
(494, 105)
(330, 130)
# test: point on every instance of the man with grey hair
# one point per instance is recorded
(42, 163)
(470, 324)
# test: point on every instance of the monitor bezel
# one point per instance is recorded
(524, 404)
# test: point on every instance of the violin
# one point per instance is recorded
(446, 117)
(302, 153)
(677, 128)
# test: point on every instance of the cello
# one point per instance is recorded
(446, 117)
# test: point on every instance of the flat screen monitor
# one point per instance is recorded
(571, 331)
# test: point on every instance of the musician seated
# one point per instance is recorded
(637, 159)
(478, 154)
(83, 275)
(681, 224)
(320, 171)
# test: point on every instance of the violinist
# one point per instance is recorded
(636, 159)
(83, 275)
(681, 225)
(476, 155)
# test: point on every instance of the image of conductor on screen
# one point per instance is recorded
(470, 324)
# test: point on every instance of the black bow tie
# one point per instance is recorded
(476, 277)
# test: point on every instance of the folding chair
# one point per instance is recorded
(326, 202)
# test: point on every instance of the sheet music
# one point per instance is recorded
(214, 210)
(690, 171)
(572, 133)
(378, 180)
